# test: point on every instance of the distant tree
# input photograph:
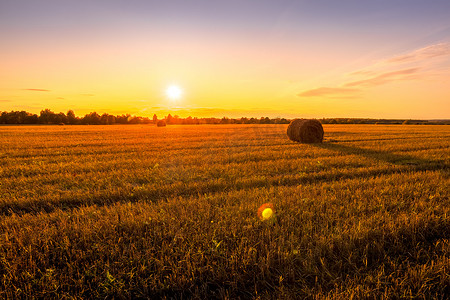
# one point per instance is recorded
(188, 120)
(111, 120)
(8, 117)
(95, 118)
(265, 120)
(92, 118)
(21, 117)
(176, 119)
(169, 119)
(17, 117)
(155, 119)
(123, 119)
(135, 120)
(48, 117)
(104, 119)
(71, 118)
(61, 118)
(31, 119)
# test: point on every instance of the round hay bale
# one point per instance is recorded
(305, 131)
(161, 123)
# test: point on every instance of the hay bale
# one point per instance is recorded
(161, 123)
(305, 131)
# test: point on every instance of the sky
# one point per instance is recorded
(246, 58)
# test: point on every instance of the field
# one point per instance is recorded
(139, 211)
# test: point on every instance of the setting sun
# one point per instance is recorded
(174, 92)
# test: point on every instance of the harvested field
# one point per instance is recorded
(135, 211)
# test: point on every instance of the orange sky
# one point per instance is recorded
(284, 58)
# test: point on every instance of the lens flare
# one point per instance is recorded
(265, 211)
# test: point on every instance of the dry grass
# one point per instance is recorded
(131, 211)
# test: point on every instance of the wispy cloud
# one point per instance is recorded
(4, 101)
(37, 90)
(362, 73)
(408, 66)
(423, 57)
(87, 95)
(351, 89)
(384, 78)
(327, 91)
(428, 52)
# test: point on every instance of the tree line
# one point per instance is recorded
(47, 116)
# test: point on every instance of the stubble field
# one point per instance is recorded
(145, 212)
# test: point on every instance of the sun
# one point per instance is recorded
(174, 92)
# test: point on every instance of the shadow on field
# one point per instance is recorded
(407, 163)
(155, 194)
(388, 157)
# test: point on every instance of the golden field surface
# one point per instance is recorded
(136, 211)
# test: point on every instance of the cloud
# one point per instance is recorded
(37, 90)
(384, 78)
(420, 57)
(428, 52)
(327, 91)
(4, 101)
(362, 73)
(419, 65)
(87, 95)
(350, 89)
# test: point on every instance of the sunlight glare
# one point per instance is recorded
(174, 92)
